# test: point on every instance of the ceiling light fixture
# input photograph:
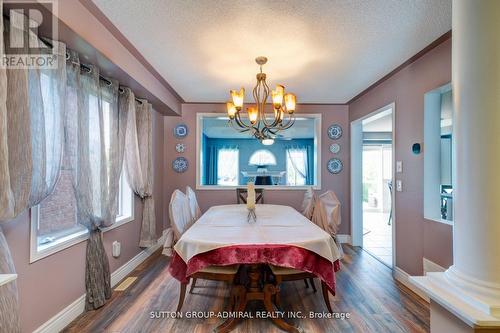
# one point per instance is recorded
(262, 127)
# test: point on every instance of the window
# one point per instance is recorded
(227, 166)
(54, 224)
(296, 166)
(438, 157)
(262, 157)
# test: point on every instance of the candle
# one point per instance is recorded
(250, 195)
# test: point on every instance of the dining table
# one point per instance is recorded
(280, 236)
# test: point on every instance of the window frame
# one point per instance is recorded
(318, 133)
(126, 199)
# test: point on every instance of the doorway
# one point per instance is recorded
(372, 174)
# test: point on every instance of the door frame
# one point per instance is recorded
(357, 178)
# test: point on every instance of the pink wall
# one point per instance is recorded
(207, 198)
(49, 285)
(415, 236)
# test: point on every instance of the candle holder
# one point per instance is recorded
(251, 217)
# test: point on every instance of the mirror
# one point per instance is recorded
(229, 158)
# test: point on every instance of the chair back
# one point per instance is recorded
(193, 204)
(241, 195)
(326, 215)
(308, 203)
(180, 215)
(331, 205)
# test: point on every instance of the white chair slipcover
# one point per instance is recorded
(331, 205)
(193, 204)
(308, 204)
(180, 214)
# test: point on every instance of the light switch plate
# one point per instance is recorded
(399, 166)
(399, 185)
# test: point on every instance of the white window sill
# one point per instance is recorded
(41, 251)
(6, 278)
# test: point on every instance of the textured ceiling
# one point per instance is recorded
(324, 51)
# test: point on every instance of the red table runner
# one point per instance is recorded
(279, 255)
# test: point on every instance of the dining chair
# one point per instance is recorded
(241, 195)
(330, 216)
(193, 204)
(181, 220)
(308, 203)
(283, 274)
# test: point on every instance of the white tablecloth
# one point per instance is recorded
(227, 225)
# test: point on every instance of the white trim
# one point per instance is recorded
(80, 236)
(6, 278)
(430, 266)
(344, 239)
(356, 177)
(455, 299)
(404, 278)
(76, 308)
(317, 155)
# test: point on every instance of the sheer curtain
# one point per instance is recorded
(95, 135)
(31, 138)
(227, 172)
(139, 164)
(297, 168)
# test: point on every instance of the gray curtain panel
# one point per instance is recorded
(139, 165)
(31, 136)
(95, 133)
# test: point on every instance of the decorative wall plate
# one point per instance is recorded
(334, 166)
(334, 148)
(180, 147)
(180, 131)
(335, 132)
(180, 164)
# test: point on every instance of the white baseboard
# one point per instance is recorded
(430, 267)
(404, 278)
(344, 238)
(72, 311)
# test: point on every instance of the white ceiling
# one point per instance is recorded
(325, 51)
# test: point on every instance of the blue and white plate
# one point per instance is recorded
(334, 166)
(334, 148)
(180, 147)
(180, 164)
(335, 132)
(180, 131)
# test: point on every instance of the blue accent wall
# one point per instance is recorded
(248, 146)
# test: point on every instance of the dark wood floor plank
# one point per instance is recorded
(365, 289)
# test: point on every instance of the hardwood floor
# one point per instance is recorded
(365, 290)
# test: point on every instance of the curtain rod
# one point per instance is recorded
(88, 69)
(82, 66)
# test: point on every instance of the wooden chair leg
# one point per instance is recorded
(326, 297)
(305, 282)
(182, 294)
(277, 299)
(192, 286)
(311, 281)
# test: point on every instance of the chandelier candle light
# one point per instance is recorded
(261, 126)
(251, 202)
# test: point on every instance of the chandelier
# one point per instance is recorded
(263, 127)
